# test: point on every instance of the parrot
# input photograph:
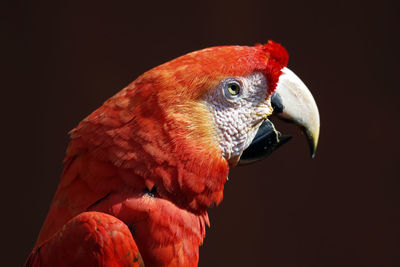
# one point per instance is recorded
(141, 171)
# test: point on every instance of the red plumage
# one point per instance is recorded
(89, 239)
(153, 137)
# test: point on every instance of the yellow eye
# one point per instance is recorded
(233, 88)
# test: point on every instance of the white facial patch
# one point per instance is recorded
(238, 114)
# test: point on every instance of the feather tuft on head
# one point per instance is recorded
(278, 58)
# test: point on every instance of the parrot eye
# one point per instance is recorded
(233, 88)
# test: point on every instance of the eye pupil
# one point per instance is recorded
(233, 88)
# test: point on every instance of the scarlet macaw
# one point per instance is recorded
(141, 170)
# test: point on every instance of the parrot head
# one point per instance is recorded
(180, 126)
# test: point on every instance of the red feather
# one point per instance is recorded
(89, 239)
(148, 157)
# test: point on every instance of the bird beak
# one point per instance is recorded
(294, 103)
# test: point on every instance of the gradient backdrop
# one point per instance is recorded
(64, 59)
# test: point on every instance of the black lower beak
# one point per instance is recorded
(266, 141)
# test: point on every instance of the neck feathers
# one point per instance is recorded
(170, 148)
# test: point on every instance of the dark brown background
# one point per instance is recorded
(340, 209)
